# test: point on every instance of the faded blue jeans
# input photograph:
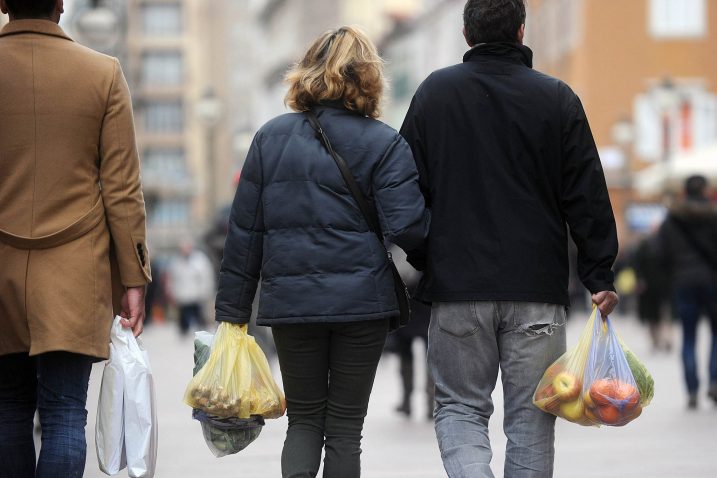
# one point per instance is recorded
(691, 302)
(468, 342)
(54, 384)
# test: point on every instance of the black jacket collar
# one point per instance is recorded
(505, 51)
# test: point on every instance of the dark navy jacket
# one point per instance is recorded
(507, 164)
(295, 224)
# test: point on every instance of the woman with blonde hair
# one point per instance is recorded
(327, 289)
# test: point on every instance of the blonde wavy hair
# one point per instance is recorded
(341, 65)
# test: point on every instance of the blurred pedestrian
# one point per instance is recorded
(72, 233)
(688, 239)
(216, 235)
(191, 285)
(401, 341)
(151, 295)
(653, 292)
(326, 287)
(402, 344)
(507, 162)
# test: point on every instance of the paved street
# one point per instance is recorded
(666, 441)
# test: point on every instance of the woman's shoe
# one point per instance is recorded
(712, 393)
(404, 408)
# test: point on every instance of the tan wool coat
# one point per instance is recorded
(71, 205)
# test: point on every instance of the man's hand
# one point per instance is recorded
(606, 302)
(133, 309)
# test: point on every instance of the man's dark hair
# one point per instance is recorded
(31, 8)
(488, 21)
(695, 187)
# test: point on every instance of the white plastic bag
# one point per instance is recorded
(126, 430)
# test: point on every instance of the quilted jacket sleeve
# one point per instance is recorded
(241, 264)
(400, 204)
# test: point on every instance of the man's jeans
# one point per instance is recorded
(691, 302)
(468, 342)
(54, 384)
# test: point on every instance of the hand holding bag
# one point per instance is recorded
(371, 218)
(126, 429)
(223, 436)
(235, 381)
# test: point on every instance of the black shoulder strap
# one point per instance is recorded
(371, 217)
(694, 243)
(367, 211)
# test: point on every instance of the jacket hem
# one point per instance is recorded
(320, 319)
(97, 354)
(548, 298)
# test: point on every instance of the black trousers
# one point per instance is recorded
(189, 313)
(328, 372)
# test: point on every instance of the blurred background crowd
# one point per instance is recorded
(205, 74)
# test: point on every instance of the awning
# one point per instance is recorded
(671, 175)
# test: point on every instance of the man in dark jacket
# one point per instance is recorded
(688, 240)
(507, 163)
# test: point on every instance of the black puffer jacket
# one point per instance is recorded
(295, 223)
(689, 225)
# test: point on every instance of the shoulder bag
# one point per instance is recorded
(371, 217)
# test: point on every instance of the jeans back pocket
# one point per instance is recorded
(459, 319)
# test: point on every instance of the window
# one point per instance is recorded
(678, 18)
(687, 122)
(162, 20)
(170, 213)
(165, 165)
(163, 116)
(163, 68)
(555, 28)
(642, 217)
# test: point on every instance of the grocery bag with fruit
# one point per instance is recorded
(236, 380)
(599, 382)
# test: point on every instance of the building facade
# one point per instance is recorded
(644, 69)
(646, 73)
(179, 76)
(284, 29)
(418, 45)
(171, 51)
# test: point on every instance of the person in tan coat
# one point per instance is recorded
(72, 233)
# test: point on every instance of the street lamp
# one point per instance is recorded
(209, 112)
(101, 25)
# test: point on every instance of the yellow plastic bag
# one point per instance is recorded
(599, 382)
(236, 381)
